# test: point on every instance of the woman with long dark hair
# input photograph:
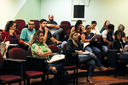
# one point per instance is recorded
(105, 26)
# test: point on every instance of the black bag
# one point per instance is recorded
(71, 59)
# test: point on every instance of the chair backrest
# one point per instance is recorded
(17, 53)
(37, 24)
(1, 61)
(68, 32)
(17, 31)
(99, 38)
(54, 48)
(29, 52)
(20, 24)
(65, 28)
(66, 22)
(64, 48)
(110, 46)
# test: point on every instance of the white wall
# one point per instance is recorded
(8, 10)
(100, 10)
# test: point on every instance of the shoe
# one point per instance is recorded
(90, 83)
(103, 68)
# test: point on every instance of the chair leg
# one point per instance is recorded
(74, 77)
(28, 81)
(77, 76)
(43, 80)
(115, 70)
(47, 79)
(19, 82)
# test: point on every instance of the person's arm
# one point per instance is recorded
(36, 50)
(83, 38)
(53, 26)
(24, 42)
(72, 29)
(45, 35)
(105, 40)
(83, 29)
(54, 40)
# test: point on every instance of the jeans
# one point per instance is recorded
(91, 60)
(94, 50)
(104, 50)
(123, 56)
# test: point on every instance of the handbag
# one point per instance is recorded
(4, 47)
(55, 58)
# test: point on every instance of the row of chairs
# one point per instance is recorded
(65, 25)
(30, 67)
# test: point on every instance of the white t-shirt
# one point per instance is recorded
(104, 34)
(95, 31)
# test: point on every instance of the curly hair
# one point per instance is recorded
(35, 38)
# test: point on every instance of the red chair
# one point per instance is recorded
(20, 24)
(37, 24)
(98, 39)
(54, 48)
(6, 75)
(71, 67)
(112, 59)
(18, 53)
(66, 22)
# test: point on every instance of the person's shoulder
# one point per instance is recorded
(5, 32)
(104, 32)
(69, 41)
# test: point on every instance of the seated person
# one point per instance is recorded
(40, 49)
(107, 37)
(55, 29)
(73, 46)
(94, 28)
(86, 37)
(9, 34)
(121, 28)
(105, 26)
(78, 28)
(119, 45)
(48, 38)
(27, 33)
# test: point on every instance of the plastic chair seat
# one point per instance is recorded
(9, 78)
(34, 73)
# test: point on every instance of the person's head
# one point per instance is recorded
(88, 28)
(118, 35)
(106, 23)
(110, 28)
(78, 25)
(121, 27)
(37, 38)
(31, 25)
(93, 24)
(74, 37)
(43, 23)
(50, 17)
(11, 25)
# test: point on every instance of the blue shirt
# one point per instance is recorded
(88, 37)
(27, 35)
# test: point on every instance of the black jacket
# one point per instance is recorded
(116, 45)
(70, 47)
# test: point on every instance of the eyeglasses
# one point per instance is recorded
(88, 28)
(41, 36)
(30, 24)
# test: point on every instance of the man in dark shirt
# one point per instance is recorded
(48, 38)
(55, 29)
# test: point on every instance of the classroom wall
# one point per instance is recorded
(100, 10)
(19, 9)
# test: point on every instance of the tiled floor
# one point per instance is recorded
(99, 78)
